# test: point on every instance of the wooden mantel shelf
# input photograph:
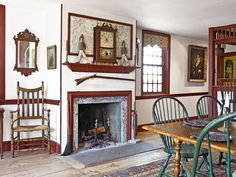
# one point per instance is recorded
(77, 67)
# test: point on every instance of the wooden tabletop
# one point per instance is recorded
(183, 132)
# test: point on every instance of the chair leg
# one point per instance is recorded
(49, 141)
(18, 141)
(43, 138)
(162, 171)
(220, 158)
(12, 144)
(201, 163)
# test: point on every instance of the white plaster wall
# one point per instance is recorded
(42, 19)
(96, 84)
(178, 78)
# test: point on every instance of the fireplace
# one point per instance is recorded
(99, 118)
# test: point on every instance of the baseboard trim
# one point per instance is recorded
(56, 147)
(140, 129)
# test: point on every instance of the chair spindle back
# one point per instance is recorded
(168, 109)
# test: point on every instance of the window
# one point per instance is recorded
(155, 64)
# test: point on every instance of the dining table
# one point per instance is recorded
(181, 132)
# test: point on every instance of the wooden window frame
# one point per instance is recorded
(166, 66)
(2, 52)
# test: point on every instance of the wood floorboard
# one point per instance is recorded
(41, 164)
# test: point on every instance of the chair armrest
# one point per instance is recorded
(12, 117)
(48, 114)
(48, 110)
(13, 111)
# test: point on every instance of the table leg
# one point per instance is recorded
(177, 157)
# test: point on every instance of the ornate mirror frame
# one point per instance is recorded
(26, 52)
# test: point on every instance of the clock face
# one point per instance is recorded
(106, 53)
(106, 39)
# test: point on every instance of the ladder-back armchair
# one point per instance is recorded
(29, 117)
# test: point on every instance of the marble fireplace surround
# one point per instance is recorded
(74, 99)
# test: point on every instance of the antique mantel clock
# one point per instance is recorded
(105, 43)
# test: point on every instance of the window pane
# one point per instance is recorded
(149, 50)
(149, 87)
(159, 60)
(149, 69)
(159, 51)
(154, 71)
(149, 78)
(155, 50)
(159, 87)
(149, 60)
(145, 59)
(159, 70)
(145, 69)
(154, 87)
(144, 87)
(159, 79)
(154, 60)
(145, 50)
(145, 78)
(154, 78)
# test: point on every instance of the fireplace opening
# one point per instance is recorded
(99, 119)
(99, 125)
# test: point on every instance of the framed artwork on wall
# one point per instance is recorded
(52, 57)
(81, 24)
(197, 63)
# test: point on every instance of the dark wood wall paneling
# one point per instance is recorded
(2, 52)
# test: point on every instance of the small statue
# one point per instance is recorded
(124, 60)
(81, 55)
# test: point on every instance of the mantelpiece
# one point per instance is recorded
(77, 67)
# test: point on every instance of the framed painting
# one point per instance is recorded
(197, 63)
(52, 57)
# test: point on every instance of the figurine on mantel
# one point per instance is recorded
(83, 59)
(124, 60)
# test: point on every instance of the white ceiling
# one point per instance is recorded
(181, 17)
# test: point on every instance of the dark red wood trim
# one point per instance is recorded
(174, 95)
(100, 19)
(14, 101)
(77, 67)
(166, 63)
(2, 51)
(140, 129)
(211, 60)
(52, 102)
(72, 95)
(229, 54)
(56, 147)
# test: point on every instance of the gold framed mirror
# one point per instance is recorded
(26, 52)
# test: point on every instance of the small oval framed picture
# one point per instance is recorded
(52, 57)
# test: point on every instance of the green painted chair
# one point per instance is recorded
(209, 107)
(204, 135)
(169, 109)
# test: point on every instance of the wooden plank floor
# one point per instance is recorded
(41, 164)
